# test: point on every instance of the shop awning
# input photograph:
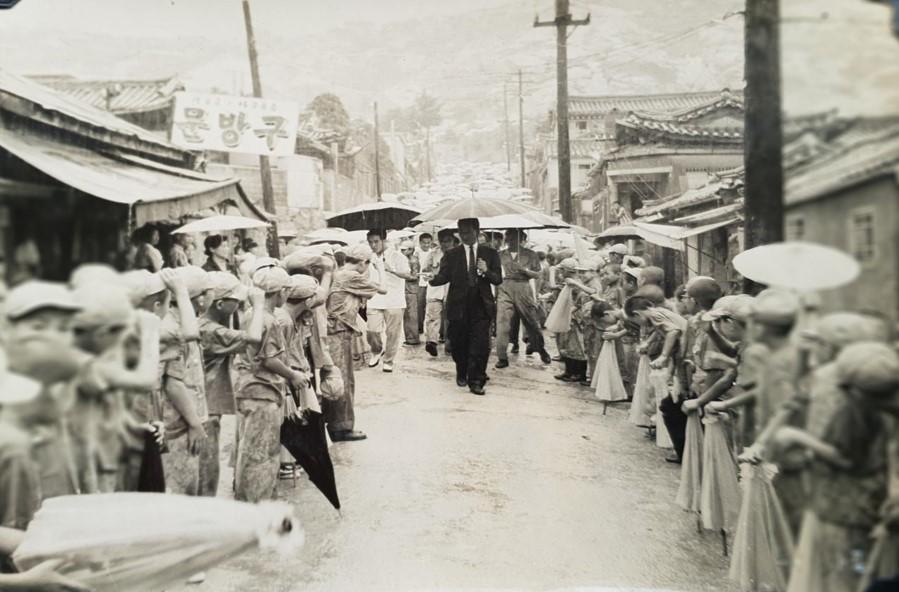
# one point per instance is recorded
(156, 192)
(644, 232)
(681, 233)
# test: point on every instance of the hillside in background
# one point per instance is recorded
(464, 58)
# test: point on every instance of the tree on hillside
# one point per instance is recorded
(426, 111)
(330, 112)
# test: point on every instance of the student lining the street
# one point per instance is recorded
(220, 344)
(350, 288)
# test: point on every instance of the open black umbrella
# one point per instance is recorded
(382, 214)
(309, 446)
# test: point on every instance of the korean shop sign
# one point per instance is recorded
(234, 124)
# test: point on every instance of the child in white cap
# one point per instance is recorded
(39, 345)
(260, 392)
(220, 345)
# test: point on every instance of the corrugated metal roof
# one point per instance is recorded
(157, 191)
(867, 155)
(586, 106)
(73, 109)
(117, 96)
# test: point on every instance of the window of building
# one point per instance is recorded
(582, 125)
(861, 235)
(585, 167)
(795, 229)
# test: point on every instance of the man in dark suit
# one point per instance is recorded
(470, 270)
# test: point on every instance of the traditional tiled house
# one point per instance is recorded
(844, 192)
(595, 133)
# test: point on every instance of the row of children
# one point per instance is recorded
(134, 371)
(806, 402)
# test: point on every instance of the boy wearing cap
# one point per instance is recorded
(20, 493)
(390, 269)
(697, 371)
(38, 316)
(350, 288)
(410, 317)
(220, 344)
(183, 389)
(295, 319)
(260, 391)
(668, 328)
(100, 415)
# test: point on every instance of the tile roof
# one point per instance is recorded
(65, 112)
(683, 131)
(125, 96)
(598, 106)
(864, 155)
(725, 99)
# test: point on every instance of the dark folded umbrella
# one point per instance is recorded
(309, 446)
(152, 477)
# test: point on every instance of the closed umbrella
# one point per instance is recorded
(145, 542)
(763, 544)
(307, 443)
(798, 265)
(721, 497)
(689, 493)
(220, 224)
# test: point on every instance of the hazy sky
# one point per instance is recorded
(222, 18)
(835, 52)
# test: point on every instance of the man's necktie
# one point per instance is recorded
(472, 268)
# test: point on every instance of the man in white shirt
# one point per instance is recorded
(425, 248)
(391, 269)
(435, 296)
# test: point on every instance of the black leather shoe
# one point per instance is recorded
(461, 382)
(528, 350)
(545, 357)
(673, 459)
(564, 377)
(477, 389)
(502, 364)
(574, 379)
(348, 436)
(431, 348)
(515, 349)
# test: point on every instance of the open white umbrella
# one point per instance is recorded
(484, 207)
(149, 541)
(220, 224)
(798, 265)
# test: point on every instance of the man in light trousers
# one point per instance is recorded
(391, 269)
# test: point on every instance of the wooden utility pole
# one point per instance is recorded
(377, 141)
(506, 126)
(764, 209)
(562, 21)
(524, 182)
(265, 170)
(428, 151)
